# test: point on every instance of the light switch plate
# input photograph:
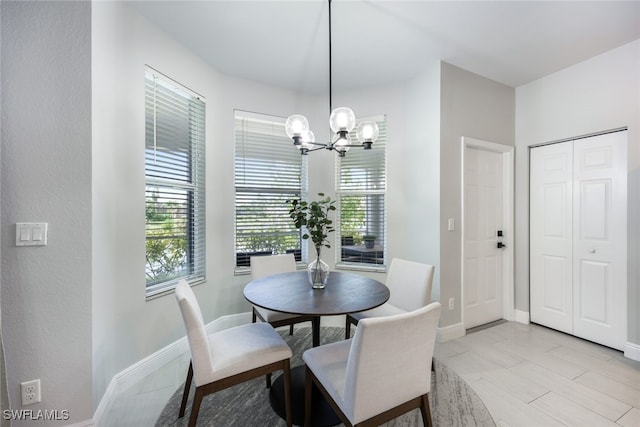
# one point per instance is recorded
(31, 233)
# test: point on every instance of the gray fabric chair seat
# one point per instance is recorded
(382, 311)
(262, 266)
(379, 374)
(275, 316)
(410, 285)
(228, 357)
(243, 348)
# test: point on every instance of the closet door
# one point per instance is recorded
(551, 236)
(600, 239)
(578, 237)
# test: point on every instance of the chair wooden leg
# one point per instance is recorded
(268, 378)
(308, 383)
(291, 329)
(197, 400)
(185, 393)
(347, 327)
(287, 392)
(426, 411)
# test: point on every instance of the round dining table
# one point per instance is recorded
(292, 293)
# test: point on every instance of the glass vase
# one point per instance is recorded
(318, 272)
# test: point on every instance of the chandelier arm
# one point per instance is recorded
(322, 146)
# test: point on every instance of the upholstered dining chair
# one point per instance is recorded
(410, 285)
(380, 374)
(262, 266)
(229, 357)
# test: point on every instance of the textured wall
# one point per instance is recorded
(46, 177)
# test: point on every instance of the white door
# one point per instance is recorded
(600, 239)
(551, 241)
(578, 237)
(483, 210)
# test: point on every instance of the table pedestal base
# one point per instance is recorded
(321, 412)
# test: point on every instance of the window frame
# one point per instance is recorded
(381, 143)
(278, 148)
(175, 165)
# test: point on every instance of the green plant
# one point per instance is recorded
(314, 217)
(166, 243)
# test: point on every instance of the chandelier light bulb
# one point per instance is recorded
(308, 138)
(342, 142)
(368, 131)
(296, 125)
(342, 119)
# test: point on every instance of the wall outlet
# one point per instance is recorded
(452, 305)
(30, 392)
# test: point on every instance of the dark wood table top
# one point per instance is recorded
(292, 293)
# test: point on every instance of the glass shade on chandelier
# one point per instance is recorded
(342, 121)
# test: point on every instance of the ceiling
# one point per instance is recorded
(286, 43)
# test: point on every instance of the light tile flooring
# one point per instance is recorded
(526, 375)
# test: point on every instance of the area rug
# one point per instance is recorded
(453, 403)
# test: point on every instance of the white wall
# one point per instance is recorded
(420, 189)
(46, 176)
(126, 327)
(476, 107)
(596, 95)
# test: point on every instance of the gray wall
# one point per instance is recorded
(46, 177)
(475, 107)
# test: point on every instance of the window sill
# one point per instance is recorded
(170, 288)
(361, 267)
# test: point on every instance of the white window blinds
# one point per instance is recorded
(268, 172)
(175, 183)
(361, 190)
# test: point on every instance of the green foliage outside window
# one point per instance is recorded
(166, 241)
(352, 218)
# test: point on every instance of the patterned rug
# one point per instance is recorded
(452, 401)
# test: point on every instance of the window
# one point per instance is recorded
(361, 192)
(174, 183)
(268, 172)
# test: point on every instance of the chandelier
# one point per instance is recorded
(342, 121)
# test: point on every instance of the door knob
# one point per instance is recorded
(501, 245)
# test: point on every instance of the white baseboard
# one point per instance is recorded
(450, 332)
(138, 371)
(521, 316)
(632, 351)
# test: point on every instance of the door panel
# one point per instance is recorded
(551, 262)
(483, 261)
(600, 228)
(578, 221)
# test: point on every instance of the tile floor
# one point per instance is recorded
(526, 375)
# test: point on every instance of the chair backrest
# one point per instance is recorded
(262, 266)
(410, 284)
(196, 334)
(390, 362)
